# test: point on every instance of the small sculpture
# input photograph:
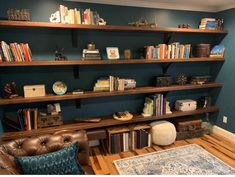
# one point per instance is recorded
(168, 109)
(102, 22)
(59, 55)
(10, 91)
(55, 17)
(148, 108)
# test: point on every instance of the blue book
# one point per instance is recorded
(217, 51)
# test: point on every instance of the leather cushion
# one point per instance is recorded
(57, 163)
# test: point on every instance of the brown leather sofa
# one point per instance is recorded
(41, 145)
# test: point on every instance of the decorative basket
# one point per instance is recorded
(202, 50)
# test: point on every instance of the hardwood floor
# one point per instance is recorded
(224, 149)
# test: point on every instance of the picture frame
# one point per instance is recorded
(112, 53)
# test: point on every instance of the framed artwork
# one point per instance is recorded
(112, 53)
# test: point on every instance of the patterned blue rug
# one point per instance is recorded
(185, 160)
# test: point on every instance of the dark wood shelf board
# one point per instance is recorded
(105, 28)
(105, 122)
(106, 62)
(91, 94)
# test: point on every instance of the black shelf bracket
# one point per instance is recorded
(167, 38)
(165, 94)
(76, 71)
(74, 38)
(165, 67)
(78, 103)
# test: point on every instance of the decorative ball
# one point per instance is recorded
(163, 133)
(182, 79)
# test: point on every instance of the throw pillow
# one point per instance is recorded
(59, 163)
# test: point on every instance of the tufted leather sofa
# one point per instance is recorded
(41, 145)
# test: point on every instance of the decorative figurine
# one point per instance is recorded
(168, 108)
(55, 17)
(220, 23)
(102, 22)
(181, 79)
(148, 108)
(127, 54)
(59, 54)
(10, 91)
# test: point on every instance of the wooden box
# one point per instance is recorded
(189, 134)
(202, 50)
(31, 91)
(185, 125)
(50, 120)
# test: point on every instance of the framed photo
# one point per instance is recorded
(112, 53)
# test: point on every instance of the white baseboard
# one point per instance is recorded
(224, 133)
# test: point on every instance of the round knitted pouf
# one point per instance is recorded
(163, 133)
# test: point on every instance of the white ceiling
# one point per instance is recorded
(192, 5)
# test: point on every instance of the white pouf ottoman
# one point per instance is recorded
(163, 133)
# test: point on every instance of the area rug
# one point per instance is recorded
(185, 160)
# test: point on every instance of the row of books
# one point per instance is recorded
(78, 16)
(120, 142)
(25, 119)
(140, 139)
(15, 52)
(112, 83)
(208, 23)
(126, 139)
(170, 51)
(159, 104)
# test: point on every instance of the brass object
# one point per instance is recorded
(127, 54)
(143, 23)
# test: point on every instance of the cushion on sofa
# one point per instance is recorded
(59, 163)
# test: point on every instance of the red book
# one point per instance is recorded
(22, 46)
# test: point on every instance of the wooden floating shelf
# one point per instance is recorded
(106, 62)
(105, 122)
(13, 24)
(91, 94)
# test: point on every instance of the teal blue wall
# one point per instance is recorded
(226, 74)
(43, 42)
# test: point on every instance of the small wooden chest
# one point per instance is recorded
(31, 91)
(185, 125)
(50, 120)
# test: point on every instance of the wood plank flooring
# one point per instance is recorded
(222, 148)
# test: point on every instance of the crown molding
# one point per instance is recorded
(225, 7)
(160, 5)
(151, 4)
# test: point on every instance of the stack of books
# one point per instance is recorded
(171, 51)
(159, 104)
(208, 23)
(91, 54)
(140, 138)
(24, 119)
(123, 139)
(120, 141)
(76, 16)
(112, 83)
(15, 52)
